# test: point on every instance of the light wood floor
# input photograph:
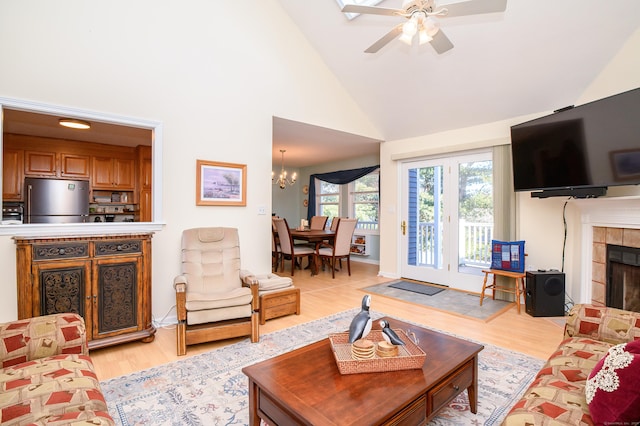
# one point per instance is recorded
(322, 296)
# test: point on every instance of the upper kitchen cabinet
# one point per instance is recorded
(40, 163)
(75, 166)
(12, 174)
(113, 173)
(56, 164)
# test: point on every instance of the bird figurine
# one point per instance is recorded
(389, 335)
(361, 323)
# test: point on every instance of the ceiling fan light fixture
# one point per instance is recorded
(74, 123)
(431, 26)
(424, 37)
(410, 28)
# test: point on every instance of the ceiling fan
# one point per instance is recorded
(421, 20)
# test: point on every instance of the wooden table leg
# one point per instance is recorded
(472, 391)
(254, 418)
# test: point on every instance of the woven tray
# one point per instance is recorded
(410, 356)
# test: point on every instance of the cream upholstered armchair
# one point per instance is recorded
(215, 300)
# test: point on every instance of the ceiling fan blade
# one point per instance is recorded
(372, 10)
(441, 43)
(395, 32)
(474, 7)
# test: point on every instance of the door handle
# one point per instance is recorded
(404, 227)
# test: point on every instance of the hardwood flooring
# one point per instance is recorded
(321, 296)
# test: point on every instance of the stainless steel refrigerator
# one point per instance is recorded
(56, 201)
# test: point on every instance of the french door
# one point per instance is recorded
(447, 219)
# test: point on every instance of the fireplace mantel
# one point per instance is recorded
(610, 213)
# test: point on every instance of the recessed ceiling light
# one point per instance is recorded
(74, 123)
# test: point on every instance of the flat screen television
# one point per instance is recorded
(579, 151)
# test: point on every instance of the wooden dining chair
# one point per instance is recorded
(341, 247)
(287, 249)
(275, 246)
(318, 222)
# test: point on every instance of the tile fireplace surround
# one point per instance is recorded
(605, 221)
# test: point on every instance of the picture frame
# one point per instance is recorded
(221, 184)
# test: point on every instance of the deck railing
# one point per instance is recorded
(474, 244)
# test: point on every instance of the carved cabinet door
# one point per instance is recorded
(62, 286)
(117, 296)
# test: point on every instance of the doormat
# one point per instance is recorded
(451, 301)
(429, 290)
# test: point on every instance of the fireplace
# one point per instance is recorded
(616, 267)
(623, 277)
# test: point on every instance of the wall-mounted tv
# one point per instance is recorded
(579, 151)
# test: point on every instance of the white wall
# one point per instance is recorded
(539, 221)
(212, 73)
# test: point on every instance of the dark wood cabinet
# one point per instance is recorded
(106, 279)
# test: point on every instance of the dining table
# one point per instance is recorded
(314, 236)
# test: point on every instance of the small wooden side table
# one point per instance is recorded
(517, 290)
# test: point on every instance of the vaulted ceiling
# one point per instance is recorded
(535, 56)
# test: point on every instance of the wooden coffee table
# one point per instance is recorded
(305, 387)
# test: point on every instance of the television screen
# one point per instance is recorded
(592, 145)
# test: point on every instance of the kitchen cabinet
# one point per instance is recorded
(40, 164)
(74, 166)
(104, 278)
(144, 180)
(112, 173)
(144, 166)
(12, 174)
(145, 206)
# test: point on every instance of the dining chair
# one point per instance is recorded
(287, 249)
(318, 222)
(341, 247)
(275, 245)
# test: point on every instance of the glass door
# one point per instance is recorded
(447, 219)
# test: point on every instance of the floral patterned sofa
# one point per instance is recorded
(557, 395)
(46, 375)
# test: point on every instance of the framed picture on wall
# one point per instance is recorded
(221, 184)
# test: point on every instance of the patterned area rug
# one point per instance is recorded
(210, 389)
(451, 301)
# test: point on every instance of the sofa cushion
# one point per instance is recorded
(49, 386)
(612, 390)
(601, 323)
(556, 396)
(40, 337)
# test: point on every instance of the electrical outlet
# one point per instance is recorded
(262, 210)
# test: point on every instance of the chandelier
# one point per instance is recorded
(282, 180)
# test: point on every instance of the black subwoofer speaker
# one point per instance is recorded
(544, 296)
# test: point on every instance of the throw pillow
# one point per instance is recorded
(612, 389)
(507, 255)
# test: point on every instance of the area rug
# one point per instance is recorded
(210, 389)
(428, 290)
(451, 301)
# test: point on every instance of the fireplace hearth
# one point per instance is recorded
(623, 277)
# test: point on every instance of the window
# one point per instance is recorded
(359, 199)
(365, 200)
(328, 199)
